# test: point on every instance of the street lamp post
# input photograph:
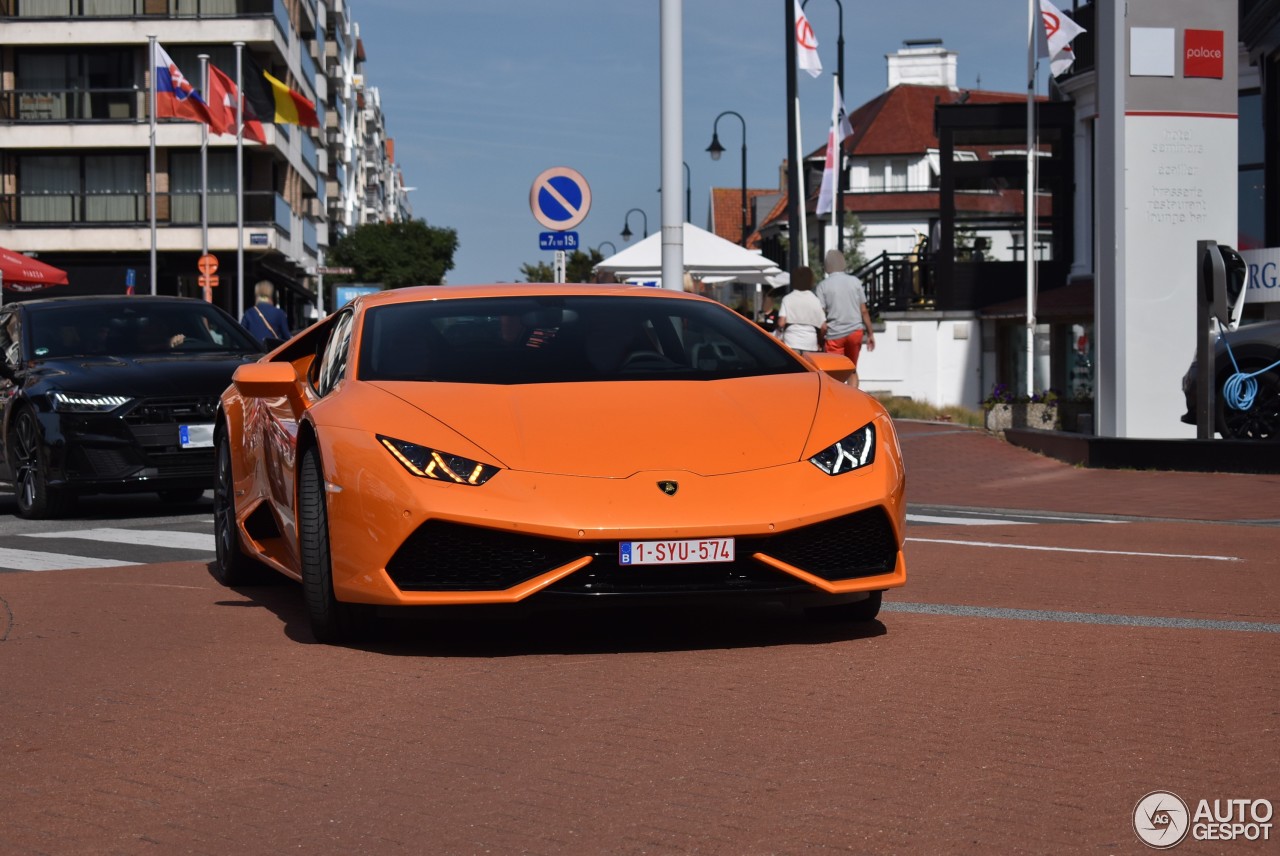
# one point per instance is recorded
(688, 193)
(626, 224)
(716, 150)
(839, 207)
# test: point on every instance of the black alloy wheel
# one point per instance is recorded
(333, 622)
(231, 567)
(856, 612)
(27, 460)
(1261, 421)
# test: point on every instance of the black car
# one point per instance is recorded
(113, 394)
(1255, 347)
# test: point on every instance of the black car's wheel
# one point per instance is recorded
(232, 567)
(1261, 421)
(858, 611)
(185, 496)
(28, 460)
(332, 621)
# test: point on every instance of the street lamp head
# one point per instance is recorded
(715, 148)
(626, 230)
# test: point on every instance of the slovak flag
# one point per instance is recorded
(176, 98)
(840, 131)
(806, 44)
(1055, 38)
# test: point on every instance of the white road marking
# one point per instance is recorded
(32, 560)
(965, 521)
(1076, 550)
(145, 537)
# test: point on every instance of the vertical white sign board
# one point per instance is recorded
(1175, 162)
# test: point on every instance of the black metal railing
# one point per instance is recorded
(135, 8)
(896, 282)
(43, 210)
(125, 104)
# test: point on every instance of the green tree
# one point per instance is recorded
(577, 268)
(396, 254)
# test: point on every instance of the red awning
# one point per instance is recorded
(23, 273)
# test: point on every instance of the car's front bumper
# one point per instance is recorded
(400, 540)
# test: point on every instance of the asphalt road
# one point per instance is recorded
(1045, 667)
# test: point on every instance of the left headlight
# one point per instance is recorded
(437, 465)
(84, 402)
(853, 452)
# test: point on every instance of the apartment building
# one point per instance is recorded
(74, 144)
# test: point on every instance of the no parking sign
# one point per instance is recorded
(560, 198)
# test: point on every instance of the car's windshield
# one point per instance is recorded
(564, 338)
(132, 328)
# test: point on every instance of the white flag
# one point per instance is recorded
(1055, 38)
(840, 130)
(806, 44)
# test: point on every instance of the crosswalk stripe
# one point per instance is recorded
(33, 560)
(145, 537)
(965, 521)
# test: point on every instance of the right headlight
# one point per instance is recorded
(851, 453)
(86, 402)
(436, 465)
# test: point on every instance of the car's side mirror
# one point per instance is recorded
(838, 366)
(268, 380)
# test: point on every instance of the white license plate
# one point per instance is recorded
(686, 551)
(195, 436)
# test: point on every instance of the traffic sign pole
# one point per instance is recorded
(560, 272)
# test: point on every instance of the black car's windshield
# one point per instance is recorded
(132, 327)
(564, 338)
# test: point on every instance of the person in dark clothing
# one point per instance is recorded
(264, 319)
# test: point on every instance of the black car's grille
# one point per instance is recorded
(443, 556)
(189, 462)
(154, 421)
(108, 463)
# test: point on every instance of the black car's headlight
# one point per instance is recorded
(853, 452)
(86, 402)
(434, 464)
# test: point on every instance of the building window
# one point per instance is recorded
(86, 85)
(875, 175)
(92, 189)
(184, 185)
(898, 174)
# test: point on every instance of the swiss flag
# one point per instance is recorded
(222, 105)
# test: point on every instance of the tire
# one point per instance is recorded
(183, 496)
(857, 612)
(333, 622)
(29, 463)
(231, 567)
(1259, 422)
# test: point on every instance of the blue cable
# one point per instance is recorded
(1241, 389)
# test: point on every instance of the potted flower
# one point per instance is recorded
(1005, 409)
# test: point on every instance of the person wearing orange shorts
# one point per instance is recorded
(845, 303)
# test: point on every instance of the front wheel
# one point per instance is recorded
(28, 460)
(1262, 420)
(333, 622)
(231, 567)
(856, 612)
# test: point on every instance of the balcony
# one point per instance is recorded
(74, 105)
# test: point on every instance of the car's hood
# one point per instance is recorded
(140, 376)
(616, 429)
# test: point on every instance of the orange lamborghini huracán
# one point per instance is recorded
(496, 444)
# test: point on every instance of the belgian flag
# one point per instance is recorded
(272, 102)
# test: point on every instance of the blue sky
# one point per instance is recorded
(483, 95)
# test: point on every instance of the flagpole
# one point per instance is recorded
(204, 172)
(804, 219)
(794, 206)
(239, 180)
(1029, 199)
(151, 42)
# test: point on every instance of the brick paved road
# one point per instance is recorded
(147, 710)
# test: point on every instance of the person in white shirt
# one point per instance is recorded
(802, 322)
